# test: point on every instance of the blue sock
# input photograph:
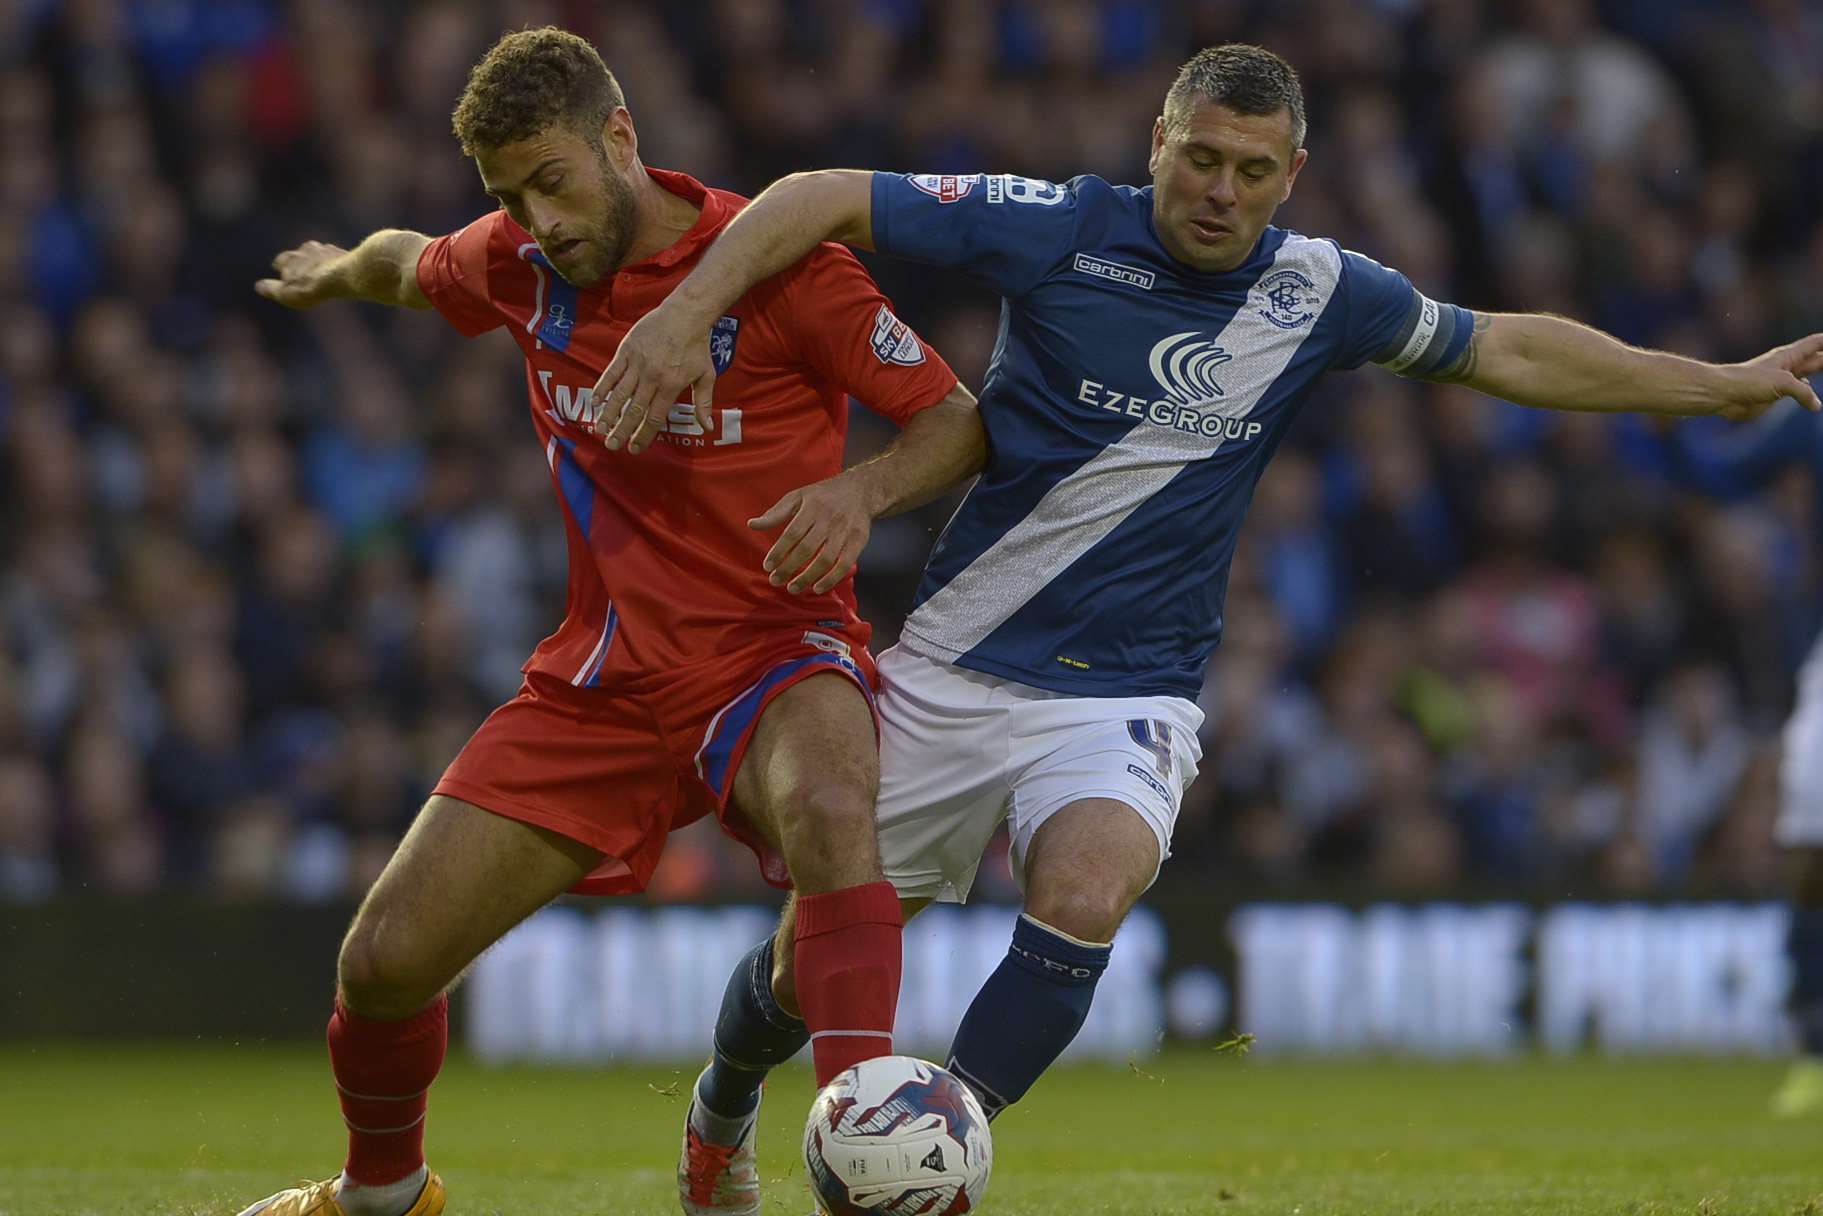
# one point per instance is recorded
(1026, 1014)
(753, 1035)
(1804, 947)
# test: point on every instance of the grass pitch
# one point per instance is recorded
(203, 1130)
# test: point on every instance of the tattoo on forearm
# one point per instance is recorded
(1462, 368)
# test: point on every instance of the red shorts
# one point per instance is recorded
(619, 768)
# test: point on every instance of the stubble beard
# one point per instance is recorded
(612, 237)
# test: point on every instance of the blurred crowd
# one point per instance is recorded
(261, 573)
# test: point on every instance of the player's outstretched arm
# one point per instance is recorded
(827, 524)
(669, 347)
(1553, 363)
(383, 268)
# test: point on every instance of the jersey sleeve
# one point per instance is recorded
(844, 329)
(1392, 324)
(452, 273)
(1003, 231)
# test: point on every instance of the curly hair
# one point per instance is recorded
(530, 81)
(1247, 79)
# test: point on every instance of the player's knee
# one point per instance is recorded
(828, 834)
(1089, 913)
(377, 975)
(1086, 901)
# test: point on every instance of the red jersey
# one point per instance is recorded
(664, 571)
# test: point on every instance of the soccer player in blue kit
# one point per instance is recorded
(1155, 345)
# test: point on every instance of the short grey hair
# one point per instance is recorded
(1247, 79)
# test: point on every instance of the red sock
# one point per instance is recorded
(848, 953)
(383, 1072)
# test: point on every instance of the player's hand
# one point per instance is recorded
(1774, 376)
(660, 355)
(306, 276)
(826, 527)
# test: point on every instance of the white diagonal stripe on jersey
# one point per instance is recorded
(1083, 508)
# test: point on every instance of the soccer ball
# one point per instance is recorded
(897, 1136)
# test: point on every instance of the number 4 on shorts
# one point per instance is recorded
(1155, 737)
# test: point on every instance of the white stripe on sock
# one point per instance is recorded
(852, 1034)
(382, 1131)
(382, 1097)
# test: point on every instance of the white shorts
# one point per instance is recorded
(1801, 768)
(961, 750)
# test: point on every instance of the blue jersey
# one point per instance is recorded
(1130, 407)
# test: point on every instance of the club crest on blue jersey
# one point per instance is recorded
(721, 342)
(1288, 299)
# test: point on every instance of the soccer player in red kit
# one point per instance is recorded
(706, 666)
